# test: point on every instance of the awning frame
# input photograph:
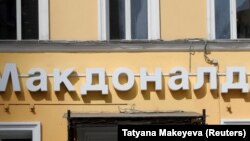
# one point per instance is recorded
(76, 120)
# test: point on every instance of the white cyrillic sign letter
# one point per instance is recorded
(100, 72)
(230, 84)
(126, 86)
(201, 72)
(42, 78)
(178, 73)
(60, 78)
(156, 77)
(10, 70)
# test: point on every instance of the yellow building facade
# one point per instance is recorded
(74, 36)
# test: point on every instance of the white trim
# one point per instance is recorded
(103, 20)
(43, 14)
(128, 19)
(18, 20)
(233, 21)
(153, 19)
(211, 19)
(43, 21)
(235, 121)
(35, 127)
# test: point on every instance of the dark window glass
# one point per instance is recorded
(139, 19)
(16, 140)
(29, 19)
(222, 19)
(243, 18)
(117, 19)
(8, 19)
(97, 133)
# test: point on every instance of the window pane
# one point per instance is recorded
(222, 19)
(8, 19)
(97, 133)
(117, 19)
(29, 19)
(139, 19)
(243, 18)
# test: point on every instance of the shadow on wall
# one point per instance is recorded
(97, 96)
(39, 96)
(151, 88)
(130, 94)
(6, 96)
(203, 91)
(61, 94)
(235, 94)
(181, 94)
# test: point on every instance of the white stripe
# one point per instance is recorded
(153, 19)
(103, 19)
(18, 20)
(43, 19)
(233, 18)
(128, 19)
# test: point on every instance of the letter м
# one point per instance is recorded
(10, 70)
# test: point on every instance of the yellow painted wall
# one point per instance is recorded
(73, 20)
(181, 19)
(50, 106)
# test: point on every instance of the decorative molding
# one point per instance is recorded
(124, 46)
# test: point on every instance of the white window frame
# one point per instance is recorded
(153, 20)
(211, 19)
(34, 127)
(43, 21)
(235, 121)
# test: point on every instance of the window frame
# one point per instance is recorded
(153, 12)
(43, 19)
(34, 127)
(211, 19)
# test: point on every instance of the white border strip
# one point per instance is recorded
(235, 121)
(35, 127)
(153, 19)
(128, 19)
(233, 20)
(18, 20)
(103, 20)
(211, 19)
(43, 14)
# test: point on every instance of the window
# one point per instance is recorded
(104, 126)
(20, 131)
(129, 19)
(23, 19)
(229, 19)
